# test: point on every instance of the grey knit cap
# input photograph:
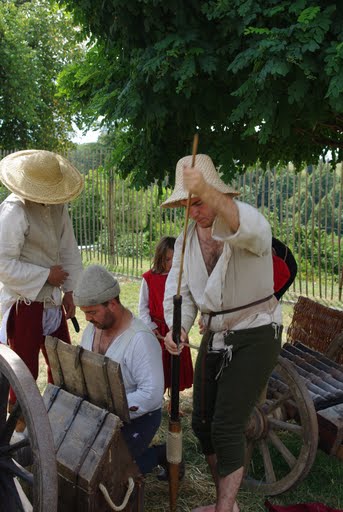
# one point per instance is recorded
(95, 286)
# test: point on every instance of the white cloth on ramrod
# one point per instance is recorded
(243, 274)
(140, 359)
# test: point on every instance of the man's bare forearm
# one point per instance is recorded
(223, 204)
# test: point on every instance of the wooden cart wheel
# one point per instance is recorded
(40, 473)
(282, 434)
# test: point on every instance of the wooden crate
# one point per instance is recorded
(86, 408)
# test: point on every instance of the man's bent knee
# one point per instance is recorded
(230, 453)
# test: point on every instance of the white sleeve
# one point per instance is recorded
(20, 277)
(145, 364)
(143, 306)
(254, 232)
(70, 254)
(189, 308)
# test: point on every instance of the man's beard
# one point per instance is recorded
(106, 324)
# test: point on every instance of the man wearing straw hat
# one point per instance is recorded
(228, 277)
(39, 257)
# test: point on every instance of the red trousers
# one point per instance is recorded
(25, 336)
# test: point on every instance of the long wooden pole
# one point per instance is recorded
(194, 153)
(174, 440)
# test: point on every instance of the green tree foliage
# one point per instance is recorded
(259, 79)
(37, 40)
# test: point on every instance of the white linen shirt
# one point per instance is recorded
(143, 305)
(206, 294)
(140, 359)
(23, 279)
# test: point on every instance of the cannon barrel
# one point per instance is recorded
(317, 359)
(277, 387)
(324, 383)
(319, 355)
(323, 378)
(312, 373)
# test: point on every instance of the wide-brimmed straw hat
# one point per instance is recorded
(210, 173)
(41, 176)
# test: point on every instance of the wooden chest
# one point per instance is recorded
(330, 422)
(92, 457)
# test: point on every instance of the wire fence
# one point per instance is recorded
(119, 226)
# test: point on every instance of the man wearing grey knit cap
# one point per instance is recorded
(115, 332)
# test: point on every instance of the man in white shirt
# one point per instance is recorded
(228, 277)
(114, 331)
(39, 257)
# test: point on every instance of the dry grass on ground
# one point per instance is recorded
(324, 482)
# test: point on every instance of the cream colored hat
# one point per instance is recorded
(206, 166)
(41, 176)
(95, 286)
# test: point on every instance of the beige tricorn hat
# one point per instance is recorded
(41, 176)
(210, 173)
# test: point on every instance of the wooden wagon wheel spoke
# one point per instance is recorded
(270, 407)
(285, 429)
(16, 469)
(248, 453)
(8, 425)
(282, 448)
(40, 477)
(268, 464)
(284, 425)
(14, 447)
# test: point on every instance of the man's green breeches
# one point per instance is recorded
(226, 390)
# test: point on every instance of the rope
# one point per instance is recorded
(20, 299)
(126, 498)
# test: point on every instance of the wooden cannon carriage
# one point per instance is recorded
(304, 402)
(75, 442)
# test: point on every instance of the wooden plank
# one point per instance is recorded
(118, 391)
(91, 469)
(104, 384)
(56, 370)
(61, 413)
(69, 358)
(95, 380)
(79, 439)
